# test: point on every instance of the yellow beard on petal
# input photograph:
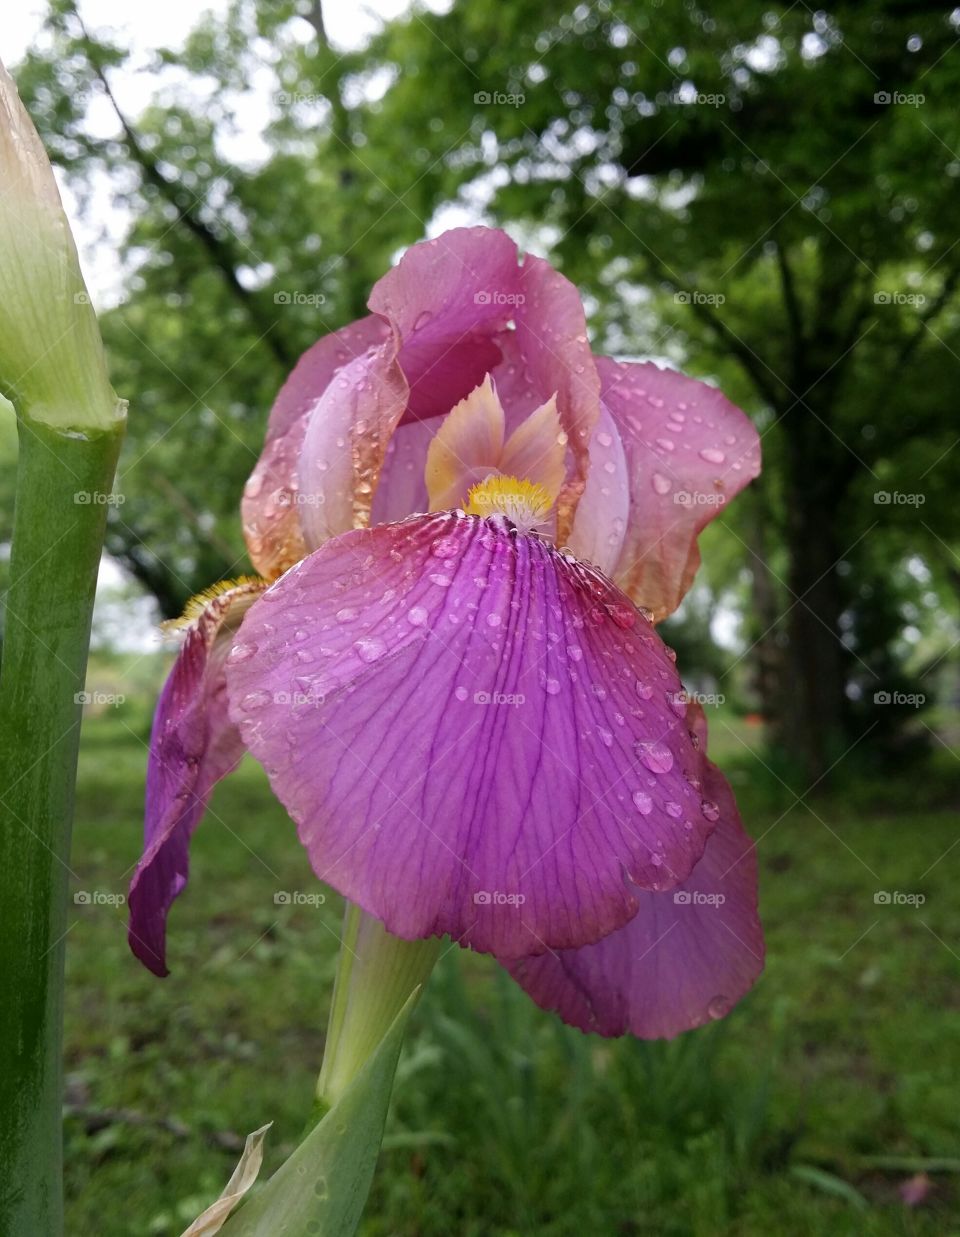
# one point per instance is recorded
(197, 606)
(525, 503)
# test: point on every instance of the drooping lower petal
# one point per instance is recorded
(193, 744)
(689, 451)
(476, 734)
(686, 957)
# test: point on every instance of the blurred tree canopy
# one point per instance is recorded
(761, 193)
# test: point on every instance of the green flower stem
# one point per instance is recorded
(63, 481)
(376, 975)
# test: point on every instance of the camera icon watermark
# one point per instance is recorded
(897, 498)
(97, 498)
(99, 699)
(512, 698)
(498, 98)
(486, 897)
(294, 897)
(897, 897)
(696, 297)
(679, 700)
(513, 299)
(294, 297)
(98, 897)
(699, 498)
(695, 897)
(913, 299)
(897, 98)
(911, 700)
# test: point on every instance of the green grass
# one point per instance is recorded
(801, 1113)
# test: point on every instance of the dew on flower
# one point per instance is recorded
(445, 547)
(256, 700)
(655, 756)
(662, 484)
(370, 649)
(718, 1007)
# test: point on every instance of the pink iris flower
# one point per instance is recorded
(466, 525)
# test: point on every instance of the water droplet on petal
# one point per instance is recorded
(719, 1007)
(662, 484)
(370, 648)
(255, 700)
(417, 616)
(240, 653)
(623, 615)
(657, 757)
(712, 455)
(642, 802)
(674, 810)
(710, 810)
(445, 547)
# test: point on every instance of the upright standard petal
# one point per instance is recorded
(346, 442)
(475, 734)
(192, 746)
(600, 523)
(685, 958)
(446, 299)
(689, 451)
(272, 504)
(553, 349)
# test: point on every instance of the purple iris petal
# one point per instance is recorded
(688, 451)
(446, 299)
(475, 734)
(686, 956)
(271, 516)
(193, 744)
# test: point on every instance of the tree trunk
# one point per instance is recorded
(813, 688)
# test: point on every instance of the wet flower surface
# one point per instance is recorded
(466, 526)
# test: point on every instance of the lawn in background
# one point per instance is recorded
(803, 1112)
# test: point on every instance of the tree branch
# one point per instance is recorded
(219, 251)
(936, 306)
(751, 362)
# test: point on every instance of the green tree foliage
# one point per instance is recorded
(759, 191)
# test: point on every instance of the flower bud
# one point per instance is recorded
(52, 364)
